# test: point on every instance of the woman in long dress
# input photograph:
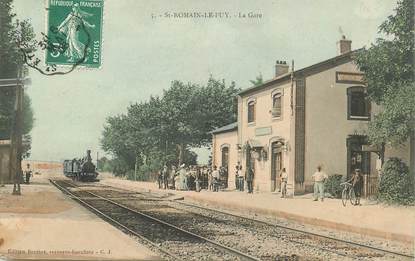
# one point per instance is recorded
(71, 27)
(181, 181)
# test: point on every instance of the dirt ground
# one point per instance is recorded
(44, 224)
(32, 201)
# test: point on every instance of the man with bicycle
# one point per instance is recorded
(357, 183)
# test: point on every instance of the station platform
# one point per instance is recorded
(395, 223)
(44, 224)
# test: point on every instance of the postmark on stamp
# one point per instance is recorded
(75, 29)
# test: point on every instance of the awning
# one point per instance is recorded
(255, 143)
(371, 148)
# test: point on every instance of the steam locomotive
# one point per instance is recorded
(80, 169)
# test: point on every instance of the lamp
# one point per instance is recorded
(285, 146)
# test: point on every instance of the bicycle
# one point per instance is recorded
(348, 194)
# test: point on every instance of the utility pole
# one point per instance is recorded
(292, 88)
(135, 168)
(17, 139)
(165, 154)
(15, 168)
(1, 174)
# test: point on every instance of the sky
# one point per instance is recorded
(142, 55)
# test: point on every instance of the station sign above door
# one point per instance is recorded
(349, 77)
(263, 131)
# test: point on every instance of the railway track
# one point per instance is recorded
(314, 235)
(224, 227)
(169, 239)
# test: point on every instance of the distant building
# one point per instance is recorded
(299, 120)
(5, 174)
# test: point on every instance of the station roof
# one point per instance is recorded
(309, 70)
(227, 128)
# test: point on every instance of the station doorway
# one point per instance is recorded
(225, 166)
(356, 158)
(276, 164)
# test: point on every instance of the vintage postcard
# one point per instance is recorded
(207, 130)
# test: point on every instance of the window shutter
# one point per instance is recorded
(276, 105)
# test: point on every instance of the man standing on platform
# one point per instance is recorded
(28, 173)
(250, 179)
(236, 177)
(241, 179)
(319, 177)
(215, 176)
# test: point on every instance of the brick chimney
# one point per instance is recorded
(281, 68)
(344, 45)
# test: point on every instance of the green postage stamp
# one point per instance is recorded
(75, 32)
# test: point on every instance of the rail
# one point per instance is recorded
(351, 243)
(233, 251)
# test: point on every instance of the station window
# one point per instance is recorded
(251, 111)
(358, 105)
(276, 105)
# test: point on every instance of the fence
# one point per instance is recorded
(370, 185)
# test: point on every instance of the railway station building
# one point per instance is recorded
(301, 119)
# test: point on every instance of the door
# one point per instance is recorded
(276, 164)
(225, 166)
(356, 158)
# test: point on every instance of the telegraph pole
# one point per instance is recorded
(135, 168)
(17, 138)
(97, 161)
(15, 168)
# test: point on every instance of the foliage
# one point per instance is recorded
(150, 170)
(11, 63)
(396, 183)
(332, 185)
(389, 72)
(7, 98)
(11, 30)
(190, 111)
(27, 145)
(28, 115)
(103, 164)
(116, 166)
(397, 120)
(258, 80)
(8, 50)
(115, 141)
(163, 129)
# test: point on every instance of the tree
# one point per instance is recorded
(397, 183)
(191, 111)
(8, 50)
(258, 80)
(389, 72)
(115, 140)
(28, 123)
(11, 62)
(163, 129)
(397, 120)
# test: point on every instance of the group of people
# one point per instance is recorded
(192, 177)
(320, 177)
(212, 178)
(241, 177)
